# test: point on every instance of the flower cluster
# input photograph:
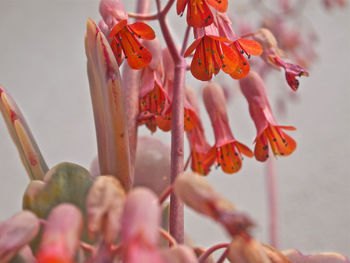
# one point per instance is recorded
(117, 211)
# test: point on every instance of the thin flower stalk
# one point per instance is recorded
(177, 131)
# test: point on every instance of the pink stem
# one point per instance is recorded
(187, 162)
(165, 194)
(177, 151)
(178, 59)
(272, 202)
(210, 251)
(176, 224)
(223, 256)
(184, 43)
(141, 16)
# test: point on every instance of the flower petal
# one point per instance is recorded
(242, 68)
(220, 5)
(244, 149)
(228, 158)
(261, 150)
(199, 14)
(192, 47)
(155, 101)
(142, 30)
(138, 57)
(281, 143)
(117, 51)
(251, 47)
(230, 59)
(199, 64)
(116, 29)
(180, 6)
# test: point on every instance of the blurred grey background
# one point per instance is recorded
(42, 65)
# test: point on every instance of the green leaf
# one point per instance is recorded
(64, 183)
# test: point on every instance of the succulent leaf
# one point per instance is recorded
(108, 106)
(28, 149)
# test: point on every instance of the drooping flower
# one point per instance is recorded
(268, 131)
(202, 155)
(190, 116)
(292, 71)
(125, 37)
(272, 55)
(228, 150)
(153, 97)
(211, 54)
(198, 11)
(240, 46)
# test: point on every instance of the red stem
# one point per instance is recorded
(176, 224)
(211, 250)
(187, 162)
(184, 43)
(223, 256)
(165, 194)
(272, 202)
(177, 151)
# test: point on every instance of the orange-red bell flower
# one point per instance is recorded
(268, 131)
(228, 149)
(244, 46)
(240, 46)
(125, 38)
(190, 115)
(198, 11)
(202, 154)
(211, 55)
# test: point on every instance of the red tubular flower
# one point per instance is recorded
(272, 55)
(267, 129)
(153, 98)
(240, 46)
(190, 115)
(244, 46)
(198, 11)
(125, 38)
(228, 150)
(292, 71)
(202, 155)
(211, 55)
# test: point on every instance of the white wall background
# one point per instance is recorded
(42, 65)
